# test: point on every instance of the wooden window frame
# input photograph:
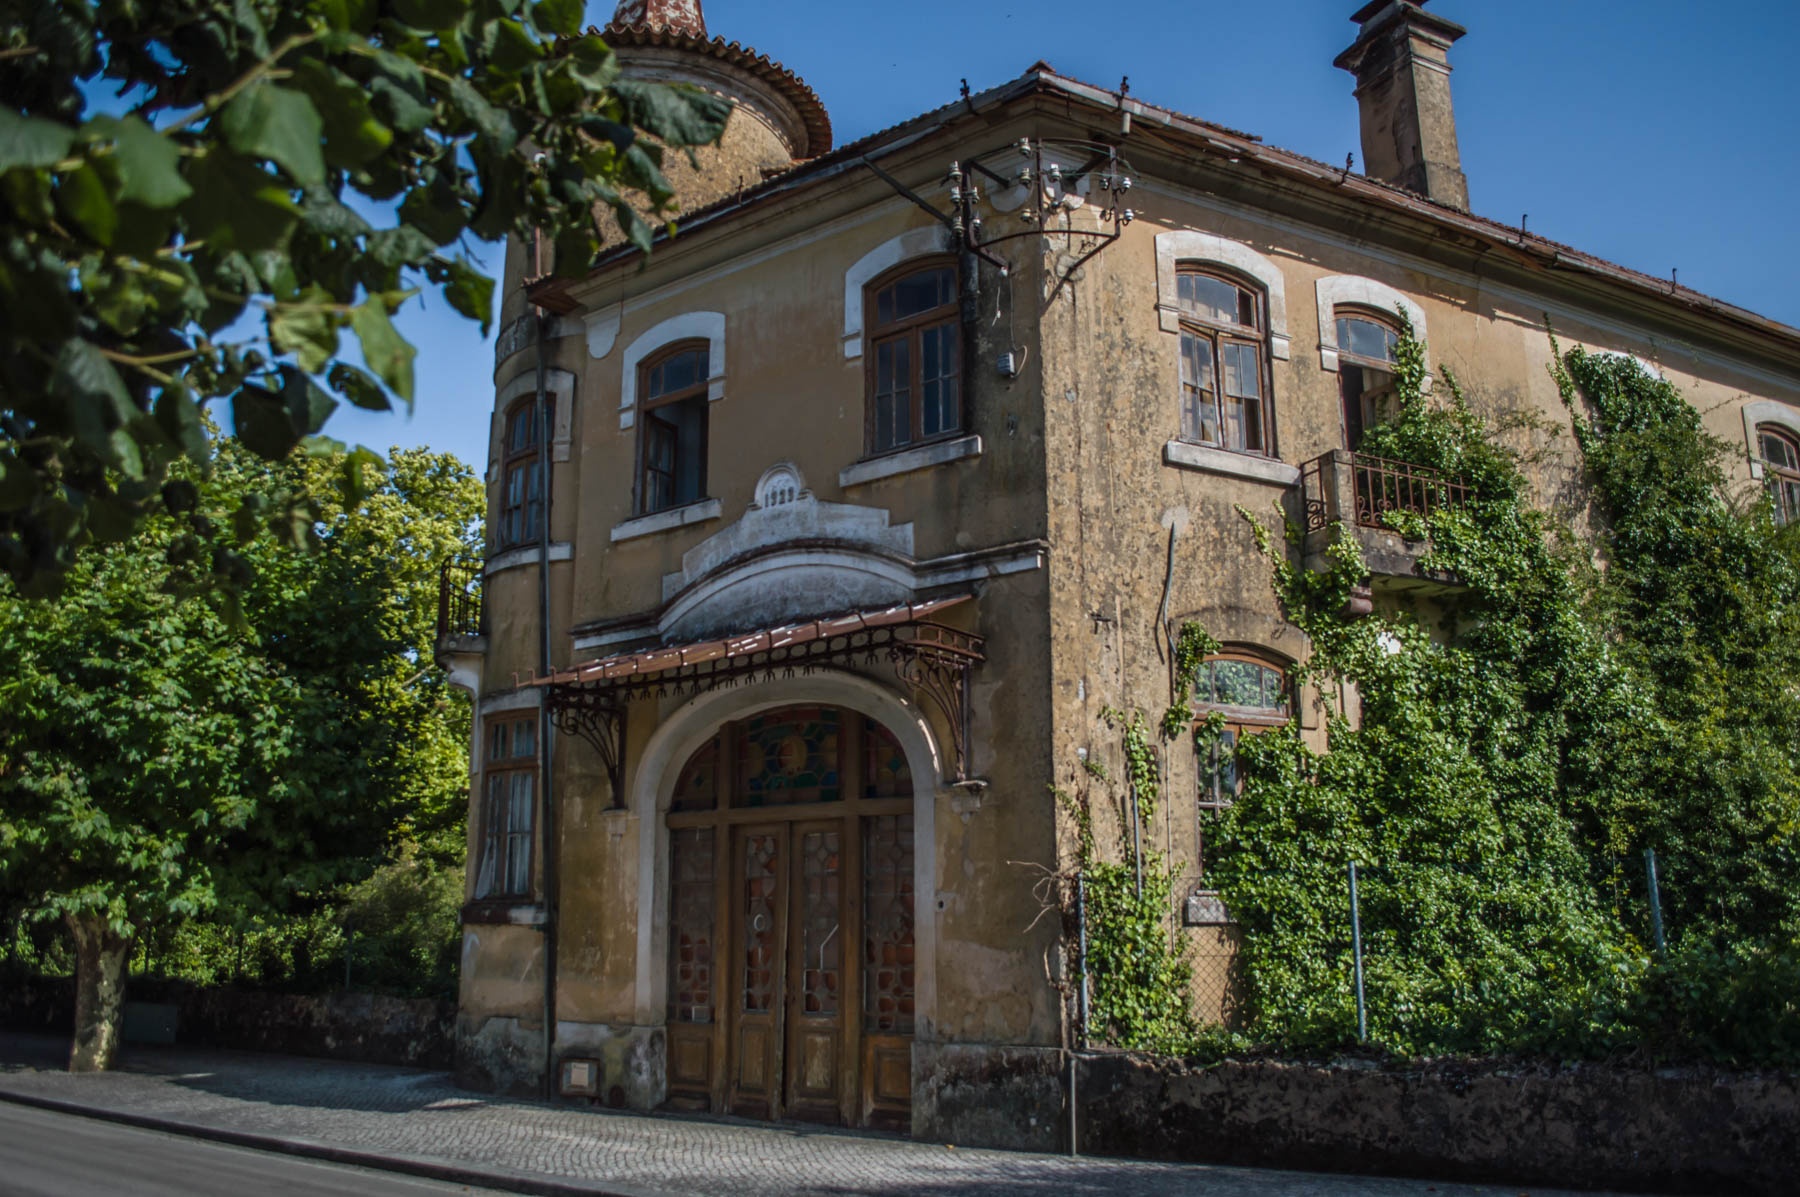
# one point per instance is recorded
(1778, 477)
(1238, 719)
(1219, 334)
(497, 830)
(1355, 366)
(522, 461)
(647, 402)
(913, 328)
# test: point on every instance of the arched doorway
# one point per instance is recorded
(792, 986)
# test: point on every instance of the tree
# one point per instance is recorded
(236, 171)
(166, 753)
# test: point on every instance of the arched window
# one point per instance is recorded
(1781, 470)
(915, 362)
(672, 410)
(1366, 342)
(1224, 387)
(1253, 694)
(509, 771)
(522, 477)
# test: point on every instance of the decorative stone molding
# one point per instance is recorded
(1206, 249)
(1356, 291)
(1766, 411)
(780, 485)
(602, 332)
(1208, 460)
(892, 465)
(690, 725)
(689, 326)
(915, 243)
(842, 557)
(525, 555)
(666, 521)
(560, 384)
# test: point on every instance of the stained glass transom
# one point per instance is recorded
(885, 771)
(788, 757)
(888, 966)
(698, 787)
(692, 931)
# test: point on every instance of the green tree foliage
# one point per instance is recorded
(166, 756)
(1519, 747)
(231, 172)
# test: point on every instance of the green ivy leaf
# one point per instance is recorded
(559, 18)
(271, 422)
(470, 292)
(32, 142)
(18, 484)
(384, 349)
(353, 135)
(149, 163)
(235, 206)
(356, 386)
(182, 422)
(97, 403)
(278, 123)
(434, 15)
(307, 328)
(674, 114)
(83, 199)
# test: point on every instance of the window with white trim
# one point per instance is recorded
(522, 478)
(672, 429)
(915, 358)
(1224, 352)
(1780, 452)
(509, 805)
(1366, 341)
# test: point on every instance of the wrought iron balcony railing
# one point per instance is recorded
(1361, 489)
(459, 602)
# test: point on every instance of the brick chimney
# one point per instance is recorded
(1401, 61)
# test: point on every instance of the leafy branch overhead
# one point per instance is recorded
(212, 200)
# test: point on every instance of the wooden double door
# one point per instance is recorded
(791, 967)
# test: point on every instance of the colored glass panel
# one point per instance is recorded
(789, 757)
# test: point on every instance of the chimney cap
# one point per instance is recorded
(1372, 15)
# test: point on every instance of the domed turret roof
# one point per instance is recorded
(681, 25)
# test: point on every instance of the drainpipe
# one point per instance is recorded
(546, 732)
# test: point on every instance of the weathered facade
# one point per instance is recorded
(874, 488)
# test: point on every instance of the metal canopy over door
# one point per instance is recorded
(791, 972)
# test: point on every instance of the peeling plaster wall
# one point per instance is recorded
(1110, 384)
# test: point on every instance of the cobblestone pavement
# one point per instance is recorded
(404, 1112)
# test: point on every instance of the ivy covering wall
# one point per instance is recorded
(1510, 753)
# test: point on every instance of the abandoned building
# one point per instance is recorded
(852, 508)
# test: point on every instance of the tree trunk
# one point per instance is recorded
(100, 957)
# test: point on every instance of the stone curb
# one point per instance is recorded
(505, 1179)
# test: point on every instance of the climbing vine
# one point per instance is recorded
(1136, 966)
(1521, 741)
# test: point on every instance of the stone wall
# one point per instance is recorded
(1690, 1130)
(338, 1026)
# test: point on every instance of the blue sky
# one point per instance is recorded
(1653, 133)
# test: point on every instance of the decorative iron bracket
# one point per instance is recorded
(600, 722)
(937, 662)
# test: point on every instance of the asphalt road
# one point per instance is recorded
(44, 1154)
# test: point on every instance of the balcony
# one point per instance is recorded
(1358, 492)
(461, 625)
